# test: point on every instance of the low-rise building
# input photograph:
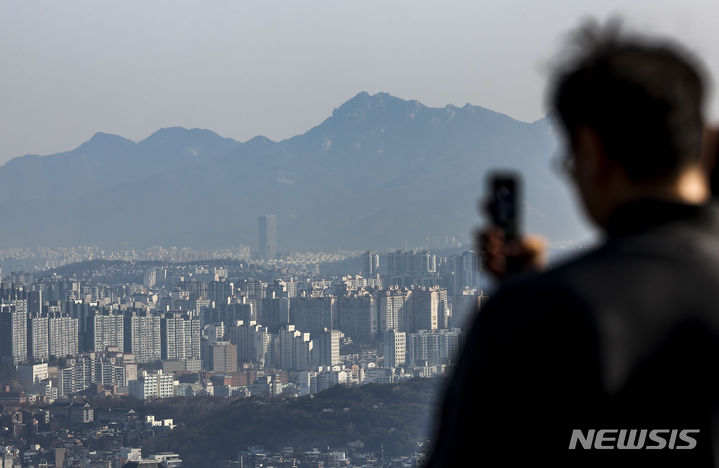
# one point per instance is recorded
(152, 385)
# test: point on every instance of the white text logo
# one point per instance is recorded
(633, 439)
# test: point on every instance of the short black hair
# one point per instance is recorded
(643, 97)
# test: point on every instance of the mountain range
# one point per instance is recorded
(379, 172)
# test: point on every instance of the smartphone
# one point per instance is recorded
(504, 196)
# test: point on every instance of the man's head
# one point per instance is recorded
(632, 109)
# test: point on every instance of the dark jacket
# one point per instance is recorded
(623, 337)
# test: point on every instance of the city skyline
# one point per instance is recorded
(140, 332)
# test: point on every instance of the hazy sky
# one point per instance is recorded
(277, 68)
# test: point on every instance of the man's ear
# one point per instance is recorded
(595, 159)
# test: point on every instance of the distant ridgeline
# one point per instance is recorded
(379, 172)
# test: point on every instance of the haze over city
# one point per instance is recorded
(242, 233)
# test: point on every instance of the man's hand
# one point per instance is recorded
(506, 258)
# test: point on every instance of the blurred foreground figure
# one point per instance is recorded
(611, 359)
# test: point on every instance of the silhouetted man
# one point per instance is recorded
(559, 367)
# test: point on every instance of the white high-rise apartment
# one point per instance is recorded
(38, 338)
(142, 337)
(62, 336)
(180, 337)
(394, 309)
(395, 348)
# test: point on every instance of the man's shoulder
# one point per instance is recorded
(535, 319)
(561, 282)
(671, 259)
